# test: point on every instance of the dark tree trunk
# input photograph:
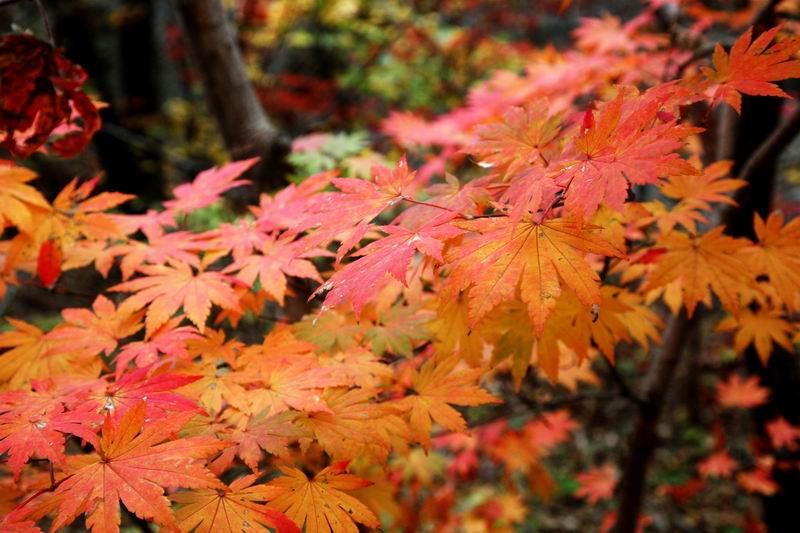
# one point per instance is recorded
(760, 141)
(644, 439)
(245, 128)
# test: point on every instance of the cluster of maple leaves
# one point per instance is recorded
(148, 400)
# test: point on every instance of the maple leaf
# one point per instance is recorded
(363, 278)
(48, 263)
(355, 425)
(278, 258)
(34, 423)
(332, 331)
(161, 247)
(271, 433)
(777, 255)
(762, 328)
(758, 481)
(17, 198)
(207, 186)
(321, 504)
(694, 194)
(741, 393)
(345, 215)
(166, 288)
(31, 356)
(129, 389)
(76, 215)
(782, 434)
(452, 333)
(752, 66)
(133, 465)
(278, 384)
(625, 143)
(281, 211)
(94, 331)
(521, 140)
(550, 429)
(710, 260)
(536, 257)
(239, 507)
(396, 329)
(170, 340)
(41, 91)
(718, 464)
(436, 388)
(596, 484)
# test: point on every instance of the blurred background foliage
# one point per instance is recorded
(323, 66)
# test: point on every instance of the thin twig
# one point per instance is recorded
(46, 22)
(622, 385)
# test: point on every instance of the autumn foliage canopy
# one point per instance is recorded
(582, 215)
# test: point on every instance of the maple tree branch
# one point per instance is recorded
(624, 389)
(644, 439)
(772, 146)
(245, 127)
(46, 21)
(767, 151)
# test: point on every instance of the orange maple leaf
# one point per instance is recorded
(321, 504)
(534, 257)
(16, 197)
(94, 331)
(596, 484)
(437, 387)
(741, 393)
(697, 263)
(718, 464)
(782, 434)
(134, 465)
(757, 480)
(239, 507)
(31, 356)
(278, 258)
(356, 426)
(519, 141)
(694, 194)
(166, 288)
(761, 328)
(777, 255)
(751, 66)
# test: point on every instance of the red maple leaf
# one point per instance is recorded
(40, 92)
(627, 143)
(741, 393)
(135, 386)
(596, 484)
(345, 216)
(34, 423)
(165, 288)
(208, 186)
(392, 255)
(133, 465)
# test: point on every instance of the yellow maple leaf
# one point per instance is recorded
(321, 504)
